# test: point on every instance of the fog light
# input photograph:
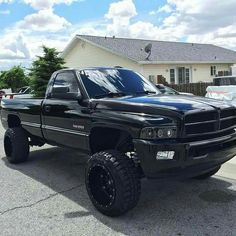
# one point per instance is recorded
(169, 133)
(165, 155)
(160, 133)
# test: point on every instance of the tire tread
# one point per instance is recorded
(20, 145)
(127, 171)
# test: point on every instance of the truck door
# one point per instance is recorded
(64, 119)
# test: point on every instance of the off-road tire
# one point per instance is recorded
(124, 178)
(16, 145)
(208, 174)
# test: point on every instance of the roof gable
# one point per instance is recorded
(162, 51)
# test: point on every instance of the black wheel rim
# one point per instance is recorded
(101, 185)
(8, 146)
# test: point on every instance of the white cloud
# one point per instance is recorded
(6, 1)
(205, 16)
(97, 27)
(207, 21)
(39, 4)
(41, 28)
(44, 20)
(225, 37)
(166, 9)
(121, 9)
(47, 4)
(120, 13)
(14, 47)
(17, 49)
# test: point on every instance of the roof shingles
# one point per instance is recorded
(163, 51)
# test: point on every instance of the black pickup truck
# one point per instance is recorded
(129, 129)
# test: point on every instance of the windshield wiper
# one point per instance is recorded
(111, 94)
(145, 92)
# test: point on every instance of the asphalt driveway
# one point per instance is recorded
(47, 196)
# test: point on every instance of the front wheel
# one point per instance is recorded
(208, 174)
(16, 145)
(112, 182)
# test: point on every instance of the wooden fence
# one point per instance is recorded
(198, 89)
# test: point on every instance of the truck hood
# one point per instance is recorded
(174, 103)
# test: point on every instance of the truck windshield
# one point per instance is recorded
(119, 82)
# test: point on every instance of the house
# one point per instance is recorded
(175, 62)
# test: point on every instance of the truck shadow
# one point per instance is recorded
(163, 204)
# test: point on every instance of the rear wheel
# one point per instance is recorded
(16, 145)
(112, 182)
(208, 174)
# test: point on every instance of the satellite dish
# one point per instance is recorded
(148, 49)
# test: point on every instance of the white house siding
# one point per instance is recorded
(155, 70)
(198, 72)
(86, 55)
(164, 70)
(202, 72)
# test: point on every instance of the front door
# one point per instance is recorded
(65, 121)
(183, 75)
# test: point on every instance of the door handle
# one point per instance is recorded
(47, 108)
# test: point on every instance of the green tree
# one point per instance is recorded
(42, 69)
(2, 83)
(13, 78)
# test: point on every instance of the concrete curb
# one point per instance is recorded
(228, 170)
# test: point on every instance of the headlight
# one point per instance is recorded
(158, 132)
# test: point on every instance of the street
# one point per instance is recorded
(47, 196)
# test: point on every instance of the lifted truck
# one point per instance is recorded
(127, 126)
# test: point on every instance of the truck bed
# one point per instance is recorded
(27, 109)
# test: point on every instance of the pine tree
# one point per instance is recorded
(42, 69)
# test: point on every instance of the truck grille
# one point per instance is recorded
(209, 122)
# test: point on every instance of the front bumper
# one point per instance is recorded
(190, 159)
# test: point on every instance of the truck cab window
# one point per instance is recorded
(67, 79)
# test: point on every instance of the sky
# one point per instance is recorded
(26, 25)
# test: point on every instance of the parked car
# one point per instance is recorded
(2, 94)
(224, 80)
(24, 92)
(129, 129)
(167, 90)
(223, 88)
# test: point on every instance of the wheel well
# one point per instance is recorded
(13, 121)
(109, 138)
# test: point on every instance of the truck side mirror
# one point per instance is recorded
(63, 92)
(60, 90)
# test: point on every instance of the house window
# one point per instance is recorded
(181, 75)
(151, 78)
(172, 76)
(187, 75)
(213, 70)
